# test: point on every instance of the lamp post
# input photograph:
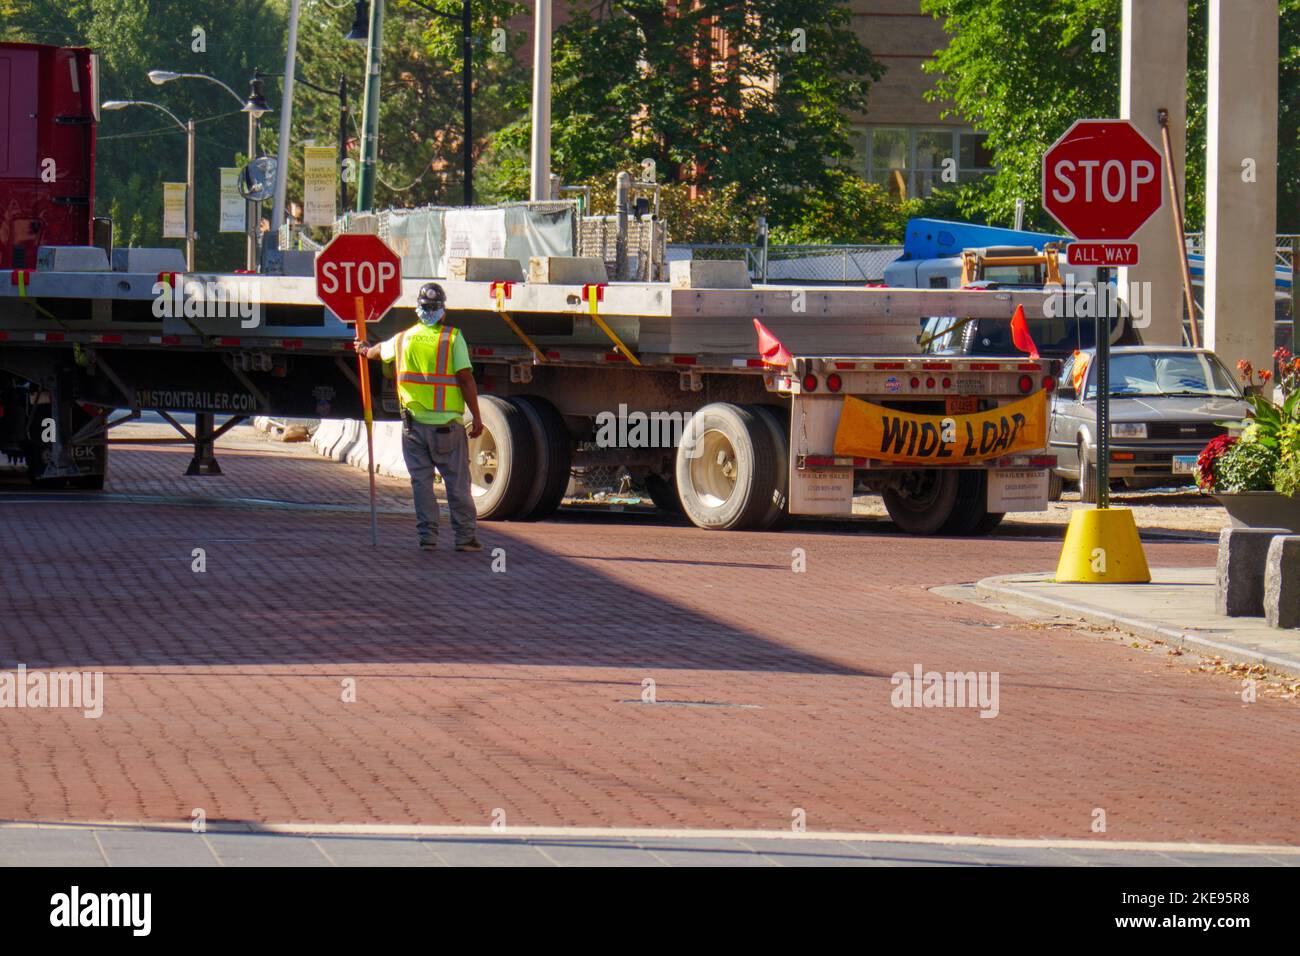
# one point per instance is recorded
(188, 127)
(361, 31)
(342, 94)
(255, 105)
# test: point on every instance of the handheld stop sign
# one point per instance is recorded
(358, 278)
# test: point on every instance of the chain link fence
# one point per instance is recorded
(810, 264)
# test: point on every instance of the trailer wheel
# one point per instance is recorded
(662, 490)
(554, 447)
(726, 468)
(1055, 486)
(777, 419)
(502, 460)
(924, 501)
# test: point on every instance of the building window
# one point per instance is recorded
(909, 160)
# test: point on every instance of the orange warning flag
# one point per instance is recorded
(770, 347)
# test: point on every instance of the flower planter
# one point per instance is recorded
(1262, 509)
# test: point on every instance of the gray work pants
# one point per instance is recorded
(444, 447)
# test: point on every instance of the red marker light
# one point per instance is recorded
(834, 382)
(810, 382)
(929, 383)
(1026, 384)
(1049, 383)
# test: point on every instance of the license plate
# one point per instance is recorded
(1184, 464)
(962, 405)
(970, 386)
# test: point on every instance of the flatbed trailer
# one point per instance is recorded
(660, 378)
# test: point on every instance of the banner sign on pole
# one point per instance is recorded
(232, 204)
(320, 184)
(173, 210)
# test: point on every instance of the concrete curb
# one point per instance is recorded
(1003, 588)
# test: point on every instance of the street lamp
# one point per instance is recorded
(342, 94)
(188, 127)
(255, 105)
(368, 25)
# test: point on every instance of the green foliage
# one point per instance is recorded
(1024, 70)
(1246, 466)
(627, 87)
(1287, 478)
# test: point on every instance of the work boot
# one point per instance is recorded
(428, 544)
(470, 545)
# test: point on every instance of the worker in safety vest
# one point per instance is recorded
(435, 382)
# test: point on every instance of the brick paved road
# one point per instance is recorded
(521, 691)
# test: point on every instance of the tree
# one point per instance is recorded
(1024, 70)
(421, 128)
(765, 109)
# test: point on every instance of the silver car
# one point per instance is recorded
(1166, 403)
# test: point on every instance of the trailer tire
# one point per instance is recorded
(726, 468)
(929, 506)
(1055, 485)
(554, 447)
(970, 507)
(777, 419)
(502, 460)
(662, 490)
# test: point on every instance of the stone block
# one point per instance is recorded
(709, 274)
(1282, 582)
(1239, 585)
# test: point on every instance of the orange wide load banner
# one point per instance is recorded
(883, 434)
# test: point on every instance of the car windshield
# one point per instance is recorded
(947, 335)
(1166, 373)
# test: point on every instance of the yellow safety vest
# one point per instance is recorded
(425, 376)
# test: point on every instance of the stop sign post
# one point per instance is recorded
(1102, 181)
(359, 278)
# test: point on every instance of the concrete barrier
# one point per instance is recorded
(1282, 582)
(344, 440)
(1243, 555)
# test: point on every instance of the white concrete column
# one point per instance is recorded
(540, 179)
(1153, 76)
(1241, 180)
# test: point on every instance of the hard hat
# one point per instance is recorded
(431, 297)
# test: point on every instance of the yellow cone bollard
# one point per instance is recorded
(1102, 547)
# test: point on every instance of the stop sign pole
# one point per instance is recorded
(1101, 181)
(359, 278)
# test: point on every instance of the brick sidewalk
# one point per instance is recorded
(520, 692)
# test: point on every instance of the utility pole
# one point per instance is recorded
(189, 195)
(541, 144)
(286, 122)
(370, 111)
(467, 92)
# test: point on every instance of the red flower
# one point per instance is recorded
(1265, 375)
(1209, 457)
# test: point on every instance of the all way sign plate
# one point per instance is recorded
(1102, 253)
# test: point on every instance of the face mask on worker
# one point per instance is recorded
(430, 316)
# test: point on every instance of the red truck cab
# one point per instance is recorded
(49, 100)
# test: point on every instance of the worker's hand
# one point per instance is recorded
(475, 428)
(361, 348)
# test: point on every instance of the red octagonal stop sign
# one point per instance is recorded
(1101, 180)
(358, 277)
